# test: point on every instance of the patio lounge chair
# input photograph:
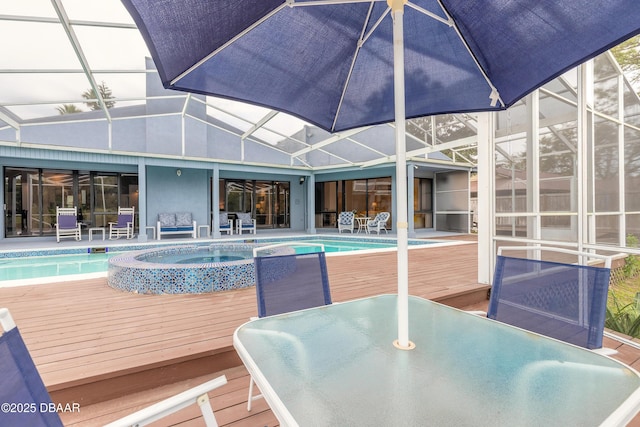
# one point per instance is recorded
(124, 226)
(21, 384)
(226, 224)
(564, 301)
(244, 222)
(67, 224)
(379, 223)
(345, 221)
(286, 283)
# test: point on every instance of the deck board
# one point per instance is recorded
(83, 331)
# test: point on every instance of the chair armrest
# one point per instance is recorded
(173, 404)
(605, 351)
(477, 312)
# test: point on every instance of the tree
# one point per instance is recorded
(627, 54)
(105, 93)
(68, 109)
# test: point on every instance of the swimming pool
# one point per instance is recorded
(23, 269)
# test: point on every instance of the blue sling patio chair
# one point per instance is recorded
(287, 281)
(565, 301)
(27, 401)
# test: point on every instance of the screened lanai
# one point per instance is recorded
(70, 62)
(79, 93)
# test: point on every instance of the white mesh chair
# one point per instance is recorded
(346, 221)
(379, 223)
(20, 382)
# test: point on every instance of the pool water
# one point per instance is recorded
(55, 265)
(331, 246)
(20, 269)
(208, 259)
(204, 257)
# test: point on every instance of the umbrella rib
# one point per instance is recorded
(494, 95)
(227, 44)
(363, 37)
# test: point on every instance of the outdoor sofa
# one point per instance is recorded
(175, 223)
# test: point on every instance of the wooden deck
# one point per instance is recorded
(115, 352)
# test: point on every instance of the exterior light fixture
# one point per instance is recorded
(178, 172)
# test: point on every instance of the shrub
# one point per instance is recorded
(623, 318)
(631, 262)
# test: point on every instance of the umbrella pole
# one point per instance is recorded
(397, 12)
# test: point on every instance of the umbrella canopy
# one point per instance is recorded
(331, 63)
(341, 64)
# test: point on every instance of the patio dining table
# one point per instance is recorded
(337, 365)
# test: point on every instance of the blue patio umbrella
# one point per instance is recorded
(342, 64)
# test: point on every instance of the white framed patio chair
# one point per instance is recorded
(378, 223)
(346, 221)
(226, 223)
(244, 222)
(288, 282)
(67, 224)
(565, 301)
(20, 382)
(124, 225)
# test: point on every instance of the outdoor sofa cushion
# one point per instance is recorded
(167, 220)
(183, 219)
(245, 218)
(224, 219)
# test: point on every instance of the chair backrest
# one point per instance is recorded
(346, 218)
(125, 216)
(224, 219)
(563, 301)
(67, 218)
(245, 217)
(20, 382)
(67, 222)
(381, 218)
(292, 282)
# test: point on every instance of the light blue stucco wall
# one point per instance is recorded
(168, 192)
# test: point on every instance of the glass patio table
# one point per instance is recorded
(336, 365)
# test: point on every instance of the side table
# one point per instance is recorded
(92, 229)
(153, 231)
(207, 228)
